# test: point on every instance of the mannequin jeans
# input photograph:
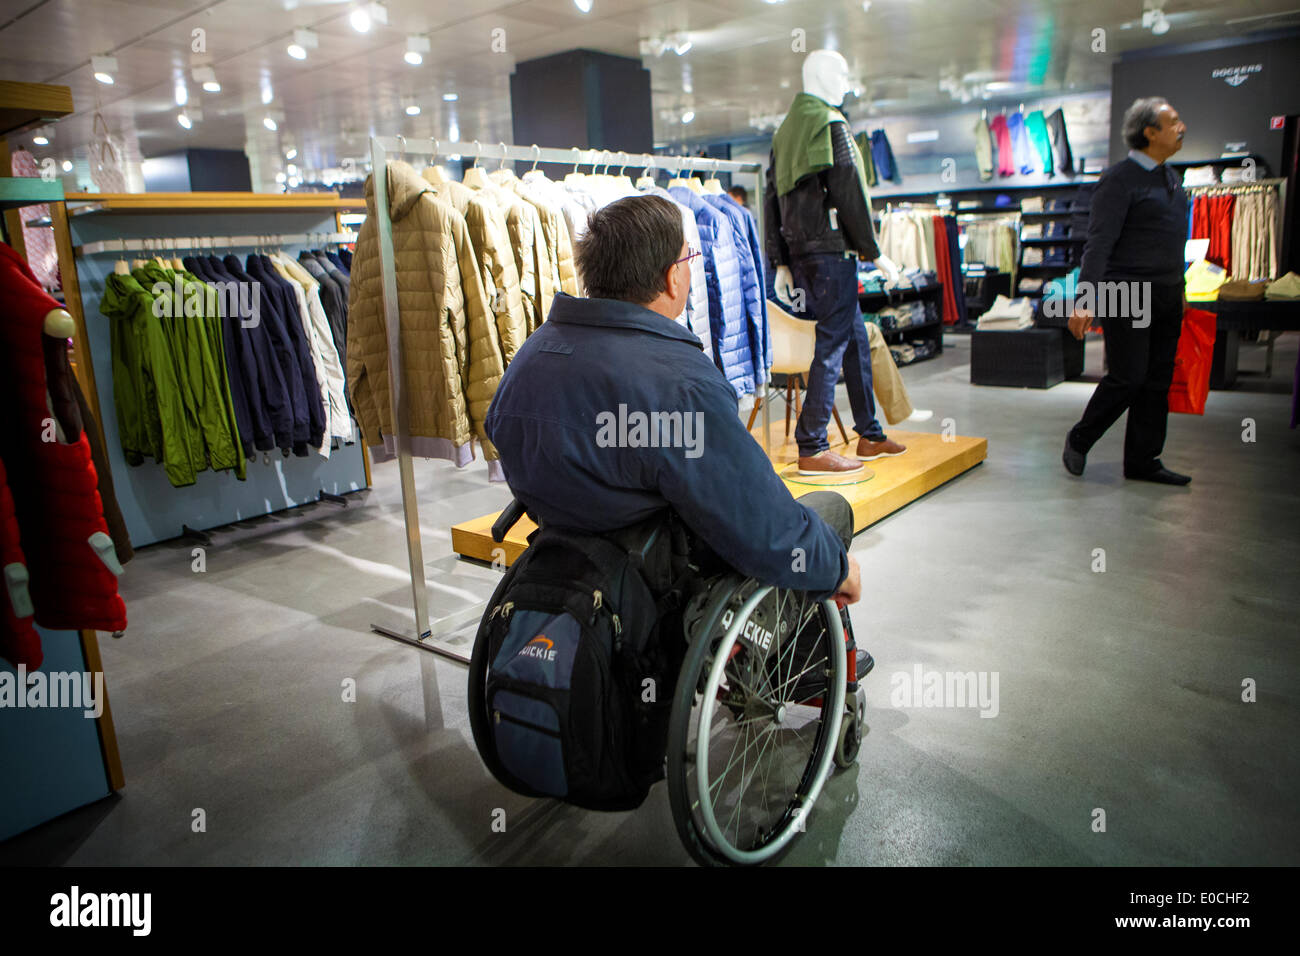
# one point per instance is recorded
(830, 283)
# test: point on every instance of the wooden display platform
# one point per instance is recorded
(894, 482)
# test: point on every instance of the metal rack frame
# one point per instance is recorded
(214, 242)
(381, 150)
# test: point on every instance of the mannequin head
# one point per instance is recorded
(826, 76)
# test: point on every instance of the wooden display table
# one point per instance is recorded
(890, 483)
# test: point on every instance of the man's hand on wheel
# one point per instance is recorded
(1080, 322)
(850, 589)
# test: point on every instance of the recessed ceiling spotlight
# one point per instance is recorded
(40, 139)
(67, 165)
(104, 67)
(184, 120)
(296, 51)
(291, 154)
(413, 110)
(450, 97)
(182, 94)
(688, 116)
(303, 40)
(583, 5)
(1160, 25)
(360, 20)
(281, 178)
(212, 86)
(269, 124)
(413, 58)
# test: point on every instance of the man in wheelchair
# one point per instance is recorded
(611, 413)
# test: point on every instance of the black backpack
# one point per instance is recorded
(575, 663)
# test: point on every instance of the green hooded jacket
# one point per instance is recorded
(802, 144)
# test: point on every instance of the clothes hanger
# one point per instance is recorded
(503, 175)
(713, 186)
(575, 176)
(646, 181)
(678, 180)
(434, 173)
(624, 181)
(475, 177)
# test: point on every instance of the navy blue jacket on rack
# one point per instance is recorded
(268, 397)
(333, 301)
(883, 157)
(241, 372)
(286, 352)
(302, 350)
(570, 466)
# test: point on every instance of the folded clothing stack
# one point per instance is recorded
(1203, 279)
(1243, 290)
(903, 354)
(902, 316)
(1031, 231)
(1285, 288)
(1199, 176)
(1007, 314)
(922, 348)
(1031, 204)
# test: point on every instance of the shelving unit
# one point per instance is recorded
(930, 331)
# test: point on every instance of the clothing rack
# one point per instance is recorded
(214, 242)
(396, 147)
(1259, 185)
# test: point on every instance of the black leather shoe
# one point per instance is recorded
(1074, 460)
(1162, 476)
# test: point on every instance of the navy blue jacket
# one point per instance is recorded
(565, 422)
(276, 319)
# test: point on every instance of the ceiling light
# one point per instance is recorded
(450, 97)
(67, 165)
(688, 116)
(292, 169)
(297, 52)
(453, 131)
(416, 47)
(413, 110)
(280, 178)
(212, 86)
(104, 67)
(360, 20)
(583, 5)
(40, 139)
(182, 94)
(269, 124)
(291, 154)
(184, 121)
(413, 58)
(1160, 25)
(294, 181)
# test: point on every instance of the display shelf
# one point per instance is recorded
(1055, 241)
(16, 191)
(24, 105)
(911, 328)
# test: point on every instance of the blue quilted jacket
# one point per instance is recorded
(727, 316)
(745, 231)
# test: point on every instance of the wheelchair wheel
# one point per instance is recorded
(850, 742)
(755, 721)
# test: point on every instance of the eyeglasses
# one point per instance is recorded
(687, 258)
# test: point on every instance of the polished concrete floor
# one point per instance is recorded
(1118, 690)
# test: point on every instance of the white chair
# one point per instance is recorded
(793, 346)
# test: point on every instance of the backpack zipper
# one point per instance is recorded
(597, 603)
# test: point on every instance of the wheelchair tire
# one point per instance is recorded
(699, 687)
(850, 741)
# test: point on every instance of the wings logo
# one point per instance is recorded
(540, 647)
(1237, 79)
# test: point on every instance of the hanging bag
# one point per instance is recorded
(1191, 383)
(106, 158)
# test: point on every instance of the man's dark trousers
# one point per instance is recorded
(830, 282)
(1140, 366)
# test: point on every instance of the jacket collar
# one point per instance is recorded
(617, 314)
(405, 187)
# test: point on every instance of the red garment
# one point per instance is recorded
(53, 483)
(1212, 219)
(1191, 382)
(943, 267)
(1006, 154)
(19, 642)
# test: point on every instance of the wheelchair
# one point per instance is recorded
(766, 701)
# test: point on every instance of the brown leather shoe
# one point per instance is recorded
(871, 450)
(828, 463)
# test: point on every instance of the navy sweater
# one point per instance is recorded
(1137, 227)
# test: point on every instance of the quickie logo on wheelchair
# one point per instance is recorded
(758, 637)
(534, 648)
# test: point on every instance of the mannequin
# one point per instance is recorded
(818, 225)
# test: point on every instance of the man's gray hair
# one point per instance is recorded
(1143, 113)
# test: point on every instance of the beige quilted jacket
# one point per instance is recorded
(451, 358)
(559, 245)
(527, 241)
(495, 259)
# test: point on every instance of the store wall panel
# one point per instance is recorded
(1226, 94)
